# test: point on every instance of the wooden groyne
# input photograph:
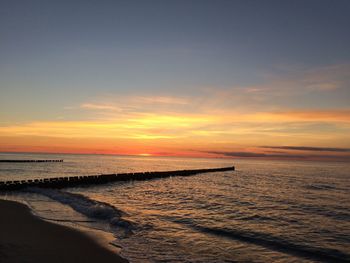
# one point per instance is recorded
(61, 182)
(31, 161)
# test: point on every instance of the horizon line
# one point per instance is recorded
(184, 156)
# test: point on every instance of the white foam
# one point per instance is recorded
(88, 207)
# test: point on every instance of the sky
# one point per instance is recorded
(235, 79)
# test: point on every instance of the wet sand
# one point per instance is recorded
(26, 238)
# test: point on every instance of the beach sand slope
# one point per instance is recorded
(26, 238)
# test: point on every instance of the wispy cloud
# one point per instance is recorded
(108, 106)
(327, 78)
(162, 100)
(281, 155)
(92, 106)
(294, 89)
(249, 128)
(330, 115)
(308, 148)
(239, 154)
(137, 126)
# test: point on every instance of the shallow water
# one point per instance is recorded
(265, 211)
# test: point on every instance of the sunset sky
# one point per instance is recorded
(261, 79)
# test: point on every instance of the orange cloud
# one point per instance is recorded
(301, 116)
(200, 130)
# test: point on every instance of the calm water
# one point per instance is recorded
(264, 211)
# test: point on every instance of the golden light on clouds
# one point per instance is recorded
(223, 127)
(141, 127)
(177, 126)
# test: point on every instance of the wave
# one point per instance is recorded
(256, 218)
(88, 207)
(338, 214)
(272, 242)
(320, 187)
(278, 244)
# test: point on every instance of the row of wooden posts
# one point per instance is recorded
(61, 182)
(31, 161)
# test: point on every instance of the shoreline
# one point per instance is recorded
(27, 238)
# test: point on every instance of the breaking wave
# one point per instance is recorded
(88, 207)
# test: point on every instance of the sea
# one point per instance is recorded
(264, 211)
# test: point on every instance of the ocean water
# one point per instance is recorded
(265, 211)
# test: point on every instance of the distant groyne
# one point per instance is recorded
(31, 161)
(62, 182)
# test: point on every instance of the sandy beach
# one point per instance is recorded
(26, 238)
